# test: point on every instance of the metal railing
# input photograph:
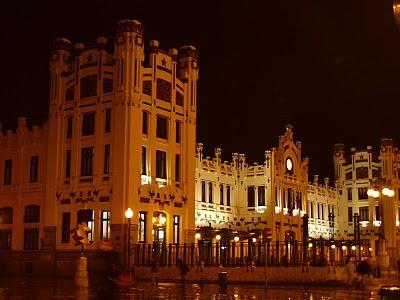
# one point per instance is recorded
(239, 254)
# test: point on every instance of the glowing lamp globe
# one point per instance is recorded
(129, 213)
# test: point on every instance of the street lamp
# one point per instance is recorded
(129, 215)
(375, 194)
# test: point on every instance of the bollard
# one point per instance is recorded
(81, 276)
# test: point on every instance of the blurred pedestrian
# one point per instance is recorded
(183, 269)
(109, 270)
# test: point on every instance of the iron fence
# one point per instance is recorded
(238, 254)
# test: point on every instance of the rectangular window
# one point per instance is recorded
(88, 123)
(107, 121)
(364, 213)
(162, 127)
(322, 211)
(276, 197)
(69, 127)
(107, 155)
(362, 172)
(376, 173)
(7, 171)
(34, 170)
(163, 91)
(221, 194)
(261, 195)
(144, 161)
(68, 164)
(350, 214)
(142, 226)
(228, 195)
(250, 196)
(176, 226)
(210, 192)
(161, 164)
(66, 227)
(177, 167)
(349, 194)
(178, 131)
(5, 239)
(362, 193)
(203, 191)
(349, 175)
(31, 238)
(32, 214)
(105, 225)
(312, 209)
(88, 86)
(145, 122)
(87, 161)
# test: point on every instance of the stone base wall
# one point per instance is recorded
(257, 275)
(63, 264)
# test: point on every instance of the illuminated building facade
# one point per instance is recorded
(120, 133)
(363, 170)
(271, 197)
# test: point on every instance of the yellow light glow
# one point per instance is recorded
(217, 237)
(197, 236)
(254, 240)
(333, 247)
(129, 213)
(370, 249)
(236, 239)
(385, 191)
(344, 248)
(310, 245)
(370, 192)
(163, 220)
(353, 248)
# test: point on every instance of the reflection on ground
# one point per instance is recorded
(33, 288)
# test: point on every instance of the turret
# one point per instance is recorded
(188, 71)
(338, 159)
(386, 157)
(59, 65)
(128, 56)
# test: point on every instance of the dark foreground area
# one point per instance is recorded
(46, 288)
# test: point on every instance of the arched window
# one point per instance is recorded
(32, 214)
(6, 215)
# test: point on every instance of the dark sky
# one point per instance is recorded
(330, 68)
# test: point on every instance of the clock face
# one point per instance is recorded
(289, 164)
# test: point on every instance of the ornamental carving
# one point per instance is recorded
(163, 90)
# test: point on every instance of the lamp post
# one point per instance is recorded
(129, 215)
(382, 255)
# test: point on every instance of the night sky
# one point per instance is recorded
(330, 68)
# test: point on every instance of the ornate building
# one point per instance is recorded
(357, 174)
(121, 133)
(271, 197)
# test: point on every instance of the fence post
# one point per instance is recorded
(192, 254)
(184, 254)
(169, 254)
